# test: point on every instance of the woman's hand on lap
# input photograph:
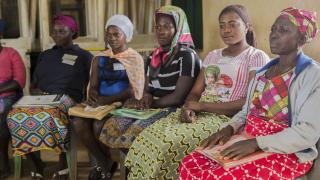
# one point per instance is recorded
(131, 103)
(146, 101)
(220, 137)
(194, 106)
(187, 115)
(240, 149)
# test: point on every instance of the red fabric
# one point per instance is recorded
(276, 166)
(304, 20)
(67, 21)
(155, 60)
(227, 81)
(186, 39)
(156, 57)
(11, 68)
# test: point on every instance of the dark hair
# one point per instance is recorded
(243, 13)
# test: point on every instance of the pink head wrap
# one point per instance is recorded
(67, 21)
(304, 20)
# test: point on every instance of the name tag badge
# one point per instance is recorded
(155, 83)
(118, 67)
(69, 59)
(260, 86)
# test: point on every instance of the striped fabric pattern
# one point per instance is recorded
(185, 63)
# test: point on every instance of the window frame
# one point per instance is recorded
(23, 43)
(94, 22)
(24, 40)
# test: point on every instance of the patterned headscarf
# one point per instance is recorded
(182, 35)
(304, 20)
(69, 22)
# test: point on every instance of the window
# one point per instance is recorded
(87, 13)
(91, 16)
(141, 12)
(10, 15)
(73, 8)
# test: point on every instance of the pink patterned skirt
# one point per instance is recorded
(276, 166)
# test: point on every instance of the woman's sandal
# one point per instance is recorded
(108, 175)
(61, 175)
(97, 174)
(36, 176)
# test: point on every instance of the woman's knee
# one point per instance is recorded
(97, 127)
(4, 131)
(81, 125)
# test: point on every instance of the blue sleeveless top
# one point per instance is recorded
(113, 78)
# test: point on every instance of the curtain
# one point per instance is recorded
(193, 10)
(141, 12)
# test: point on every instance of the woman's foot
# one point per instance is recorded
(36, 176)
(37, 171)
(106, 176)
(61, 175)
(36, 165)
(97, 173)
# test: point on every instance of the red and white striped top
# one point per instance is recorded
(232, 82)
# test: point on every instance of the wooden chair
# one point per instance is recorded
(18, 164)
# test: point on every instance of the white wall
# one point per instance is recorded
(263, 13)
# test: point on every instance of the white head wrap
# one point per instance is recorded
(122, 22)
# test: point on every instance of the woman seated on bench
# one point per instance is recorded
(219, 92)
(63, 69)
(171, 71)
(116, 75)
(281, 111)
(12, 81)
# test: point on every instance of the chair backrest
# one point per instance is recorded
(314, 173)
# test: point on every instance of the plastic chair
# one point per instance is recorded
(18, 164)
(71, 159)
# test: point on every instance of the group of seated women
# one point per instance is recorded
(236, 89)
